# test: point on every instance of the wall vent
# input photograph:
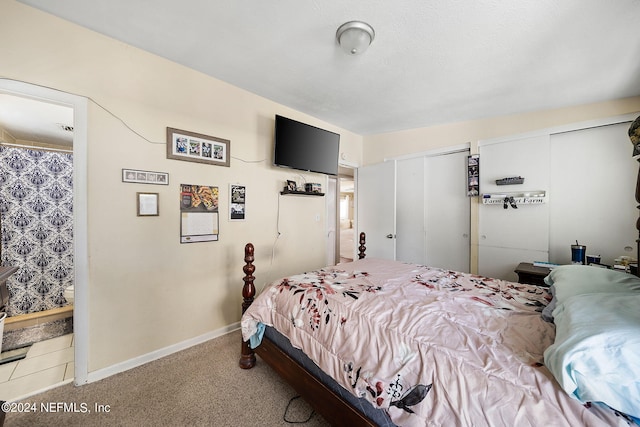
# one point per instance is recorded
(65, 128)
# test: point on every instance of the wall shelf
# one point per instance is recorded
(301, 193)
(520, 198)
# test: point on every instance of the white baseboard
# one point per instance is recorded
(155, 355)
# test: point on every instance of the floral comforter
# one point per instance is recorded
(431, 347)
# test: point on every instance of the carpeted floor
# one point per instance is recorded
(200, 386)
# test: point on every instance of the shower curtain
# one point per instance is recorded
(36, 204)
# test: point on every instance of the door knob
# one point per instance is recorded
(389, 236)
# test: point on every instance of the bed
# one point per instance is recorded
(384, 343)
(457, 349)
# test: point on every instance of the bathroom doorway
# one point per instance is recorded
(36, 191)
(76, 314)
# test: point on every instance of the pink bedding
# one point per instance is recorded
(431, 347)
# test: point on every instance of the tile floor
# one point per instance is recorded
(47, 363)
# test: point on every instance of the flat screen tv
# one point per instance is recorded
(305, 147)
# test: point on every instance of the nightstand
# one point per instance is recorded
(531, 274)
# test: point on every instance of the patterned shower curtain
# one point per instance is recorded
(36, 201)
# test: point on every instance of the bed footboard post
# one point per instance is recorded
(247, 356)
(362, 247)
(638, 221)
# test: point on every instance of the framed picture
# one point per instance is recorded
(145, 177)
(291, 186)
(148, 204)
(237, 202)
(196, 147)
(473, 175)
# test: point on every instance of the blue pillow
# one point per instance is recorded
(596, 353)
(570, 280)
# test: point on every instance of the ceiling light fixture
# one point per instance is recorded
(354, 37)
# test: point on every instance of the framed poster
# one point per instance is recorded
(196, 147)
(199, 220)
(237, 202)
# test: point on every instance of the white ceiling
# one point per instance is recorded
(32, 120)
(432, 61)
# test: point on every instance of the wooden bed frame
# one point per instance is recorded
(637, 272)
(321, 398)
(634, 136)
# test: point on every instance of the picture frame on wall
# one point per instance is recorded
(145, 177)
(473, 175)
(147, 204)
(237, 202)
(197, 147)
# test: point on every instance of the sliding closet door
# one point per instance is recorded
(410, 226)
(511, 236)
(591, 193)
(416, 210)
(447, 212)
(433, 211)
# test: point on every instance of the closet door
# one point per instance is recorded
(593, 178)
(447, 212)
(510, 236)
(410, 226)
(416, 210)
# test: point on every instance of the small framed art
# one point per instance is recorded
(237, 205)
(473, 175)
(196, 147)
(145, 177)
(148, 204)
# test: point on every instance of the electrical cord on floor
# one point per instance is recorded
(287, 410)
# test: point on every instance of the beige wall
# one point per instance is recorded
(394, 144)
(146, 290)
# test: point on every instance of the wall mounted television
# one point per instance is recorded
(305, 147)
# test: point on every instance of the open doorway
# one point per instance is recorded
(36, 154)
(77, 106)
(346, 214)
